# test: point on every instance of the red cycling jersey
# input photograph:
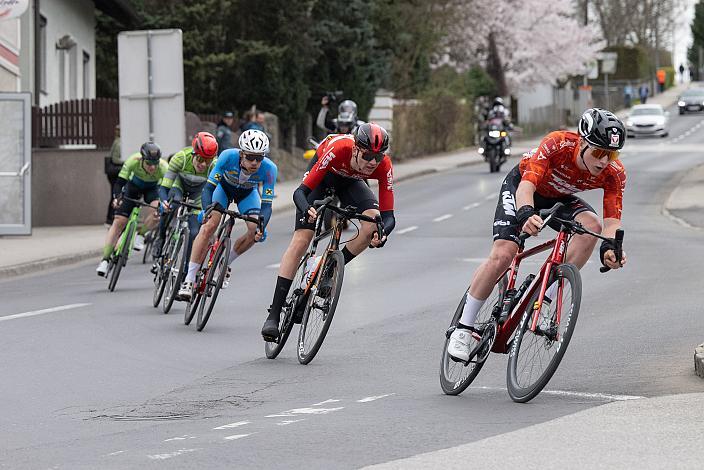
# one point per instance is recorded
(335, 155)
(552, 168)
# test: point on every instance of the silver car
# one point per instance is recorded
(647, 119)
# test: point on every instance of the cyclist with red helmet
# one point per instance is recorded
(344, 161)
(186, 176)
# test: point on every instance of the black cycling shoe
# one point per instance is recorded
(270, 330)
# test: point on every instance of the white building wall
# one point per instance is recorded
(64, 68)
(9, 55)
(528, 101)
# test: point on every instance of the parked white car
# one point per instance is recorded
(647, 119)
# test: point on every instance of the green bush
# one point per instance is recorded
(669, 76)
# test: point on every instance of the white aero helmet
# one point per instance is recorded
(254, 142)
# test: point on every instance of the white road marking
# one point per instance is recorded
(471, 206)
(491, 196)
(234, 437)
(325, 402)
(180, 438)
(43, 311)
(442, 217)
(473, 260)
(289, 421)
(273, 266)
(407, 229)
(232, 425)
(567, 393)
(116, 453)
(171, 454)
(305, 411)
(368, 399)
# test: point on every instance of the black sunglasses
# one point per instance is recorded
(253, 158)
(369, 156)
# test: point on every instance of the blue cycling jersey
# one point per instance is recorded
(227, 172)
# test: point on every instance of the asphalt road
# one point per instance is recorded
(116, 384)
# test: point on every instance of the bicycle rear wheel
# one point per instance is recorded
(213, 284)
(121, 258)
(273, 348)
(177, 268)
(535, 355)
(320, 307)
(148, 244)
(455, 376)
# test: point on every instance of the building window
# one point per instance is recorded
(42, 54)
(86, 75)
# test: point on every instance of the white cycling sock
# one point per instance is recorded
(192, 270)
(233, 256)
(471, 308)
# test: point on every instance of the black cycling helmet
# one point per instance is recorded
(371, 137)
(150, 152)
(602, 129)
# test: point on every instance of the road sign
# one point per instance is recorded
(608, 62)
(150, 68)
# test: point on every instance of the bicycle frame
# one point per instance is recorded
(559, 249)
(335, 233)
(132, 220)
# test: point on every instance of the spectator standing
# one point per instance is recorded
(661, 80)
(113, 165)
(627, 95)
(223, 134)
(681, 73)
(643, 92)
(255, 122)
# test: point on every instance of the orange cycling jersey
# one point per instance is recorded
(552, 168)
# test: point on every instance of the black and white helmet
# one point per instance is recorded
(254, 142)
(602, 129)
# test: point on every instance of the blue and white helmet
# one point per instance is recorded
(254, 142)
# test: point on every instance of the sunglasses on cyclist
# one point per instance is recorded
(253, 158)
(150, 162)
(601, 153)
(200, 159)
(369, 156)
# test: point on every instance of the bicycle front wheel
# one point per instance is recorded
(121, 258)
(320, 308)
(213, 283)
(455, 376)
(535, 355)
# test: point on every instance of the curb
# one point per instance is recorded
(47, 263)
(667, 206)
(699, 360)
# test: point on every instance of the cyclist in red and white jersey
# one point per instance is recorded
(344, 161)
(564, 163)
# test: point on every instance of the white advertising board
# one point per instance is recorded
(150, 70)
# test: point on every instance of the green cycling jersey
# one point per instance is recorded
(134, 172)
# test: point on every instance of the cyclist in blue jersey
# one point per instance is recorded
(236, 177)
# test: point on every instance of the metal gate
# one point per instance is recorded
(15, 164)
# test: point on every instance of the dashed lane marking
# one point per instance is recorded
(368, 399)
(232, 425)
(171, 454)
(407, 230)
(471, 206)
(234, 437)
(442, 217)
(42, 312)
(273, 266)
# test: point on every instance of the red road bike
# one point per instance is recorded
(523, 322)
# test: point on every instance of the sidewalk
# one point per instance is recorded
(49, 247)
(686, 207)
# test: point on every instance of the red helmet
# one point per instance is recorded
(205, 146)
(371, 137)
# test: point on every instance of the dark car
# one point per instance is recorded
(691, 100)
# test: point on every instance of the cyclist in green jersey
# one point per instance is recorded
(140, 176)
(186, 176)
